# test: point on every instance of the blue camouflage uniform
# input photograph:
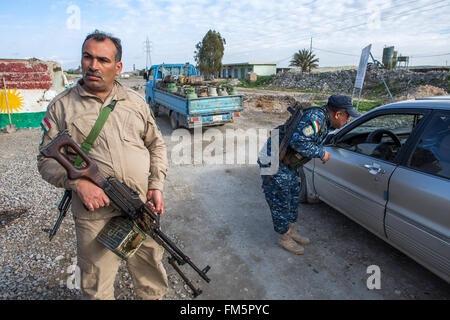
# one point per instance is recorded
(283, 188)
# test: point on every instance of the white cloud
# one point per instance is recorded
(268, 30)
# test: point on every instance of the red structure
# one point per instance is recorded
(25, 74)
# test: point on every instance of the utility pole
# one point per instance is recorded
(310, 46)
(148, 50)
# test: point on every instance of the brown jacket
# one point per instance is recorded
(130, 146)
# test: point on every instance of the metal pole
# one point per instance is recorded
(382, 78)
(359, 97)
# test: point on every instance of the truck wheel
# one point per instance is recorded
(153, 107)
(173, 120)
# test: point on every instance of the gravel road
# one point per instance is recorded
(30, 265)
(219, 216)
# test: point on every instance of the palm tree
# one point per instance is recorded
(305, 60)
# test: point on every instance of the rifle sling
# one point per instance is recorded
(95, 131)
(293, 159)
(86, 147)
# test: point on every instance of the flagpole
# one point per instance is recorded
(6, 98)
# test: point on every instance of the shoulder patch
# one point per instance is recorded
(45, 125)
(308, 131)
(316, 126)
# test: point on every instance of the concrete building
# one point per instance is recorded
(239, 70)
(30, 85)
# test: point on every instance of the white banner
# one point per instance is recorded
(362, 67)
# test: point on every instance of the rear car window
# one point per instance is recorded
(432, 153)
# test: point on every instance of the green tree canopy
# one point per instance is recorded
(209, 53)
(305, 60)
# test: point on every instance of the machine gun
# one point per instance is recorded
(62, 207)
(289, 127)
(140, 219)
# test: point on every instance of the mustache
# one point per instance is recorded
(93, 73)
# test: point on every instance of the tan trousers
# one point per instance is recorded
(99, 265)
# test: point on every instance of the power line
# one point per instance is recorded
(333, 24)
(279, 61)
(401, 14)
(433, 55)
(336, 52)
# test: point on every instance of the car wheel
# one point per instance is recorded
(173, 120)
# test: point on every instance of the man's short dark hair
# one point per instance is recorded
(102, 36)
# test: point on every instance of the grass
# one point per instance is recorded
(261, 81)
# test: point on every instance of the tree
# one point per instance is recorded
(209, 53)
(305, 60)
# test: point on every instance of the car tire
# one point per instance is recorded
(173, 120)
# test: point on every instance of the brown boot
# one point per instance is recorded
(290, 245)
(295, 236)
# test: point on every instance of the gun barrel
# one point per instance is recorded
(180, 257)
(196, 291)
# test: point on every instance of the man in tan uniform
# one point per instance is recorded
(130, 147)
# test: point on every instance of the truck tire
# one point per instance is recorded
(173, 120)
(153, 107)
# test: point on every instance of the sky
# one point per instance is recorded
(254, 30)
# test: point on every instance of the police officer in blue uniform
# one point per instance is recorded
(282, 189)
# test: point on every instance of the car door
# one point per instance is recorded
(418, 210)
(355, 179)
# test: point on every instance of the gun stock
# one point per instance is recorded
(291, 125)
(53, 150)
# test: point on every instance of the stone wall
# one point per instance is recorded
(342, 81)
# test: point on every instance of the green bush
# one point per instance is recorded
(260, 81)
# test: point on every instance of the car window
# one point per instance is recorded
(432, 153)
(380, 137)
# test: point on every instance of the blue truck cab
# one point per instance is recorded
(165, 92)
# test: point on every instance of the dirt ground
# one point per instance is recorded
(218, 215)
(221, 215)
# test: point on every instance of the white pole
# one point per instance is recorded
(6, 98)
